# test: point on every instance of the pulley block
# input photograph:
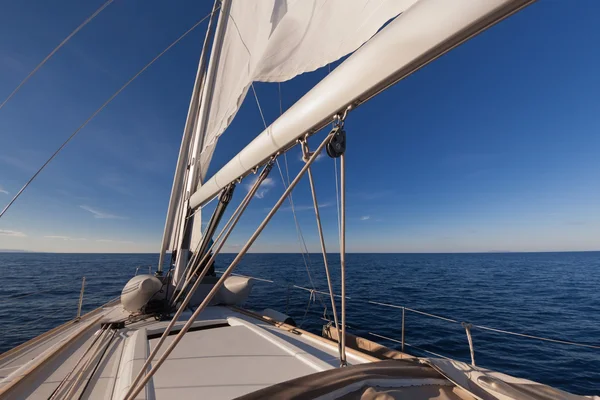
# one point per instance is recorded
(337, 144)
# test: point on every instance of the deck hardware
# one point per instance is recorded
(468, 327)
(80, 299)
(143, 377)
(403, 329)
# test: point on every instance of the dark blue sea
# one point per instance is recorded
(554, 295)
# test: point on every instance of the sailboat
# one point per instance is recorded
(183, 332)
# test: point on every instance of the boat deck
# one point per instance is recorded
(230, 352)
(225, 354)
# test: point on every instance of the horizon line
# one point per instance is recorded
(10, 251)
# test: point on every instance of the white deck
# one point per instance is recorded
(212, 361)
(227, 354)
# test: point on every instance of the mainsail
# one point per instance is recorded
(270, 41)
(426, 30)
(276, 40)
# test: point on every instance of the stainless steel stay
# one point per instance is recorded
(139, 382)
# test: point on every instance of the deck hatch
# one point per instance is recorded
(192, 329)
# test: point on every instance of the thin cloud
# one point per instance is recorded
(101, 214)
(11, 63)
(365, 217)
(18, 162)
(575, 223)
(59, 237)
(371, 195)
(113, 241)
(117, 183)
(6, 232)
(264, 188)
(3, 191)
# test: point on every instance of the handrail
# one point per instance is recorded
(483, 327)
(409, 345)
(415, 311)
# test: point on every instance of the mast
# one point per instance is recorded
(191, 222)
(427, 30)
(180, 171)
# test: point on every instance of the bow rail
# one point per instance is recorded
(467, 326)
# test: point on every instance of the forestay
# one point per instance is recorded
(275, 40)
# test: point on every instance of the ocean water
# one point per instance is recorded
(554, 295)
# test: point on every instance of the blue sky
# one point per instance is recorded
(493, 147)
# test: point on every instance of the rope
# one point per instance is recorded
(337, 200)
(89, 379)
(106, 103)
(141, 382)
(311, 300)
(303, 248)
(234, 220)
(222, 236)
(306, 153)
(287, 173)
(301, 241)
(343, 249)
(196, 255)
(49, 56)
(258, 104)
(337, 188)
(66, 378)
(72, 385)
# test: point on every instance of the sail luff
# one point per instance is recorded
(424, 32)
(178, 179)
(191, 228)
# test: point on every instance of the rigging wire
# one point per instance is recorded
(89, 379)
(227, 229)
(303, 248)
(106, 103)
(337, 200)
(337, 188)
(409, 345)
(65, 379)
(305, 155)
(453, 321)
(139, 383)
(301, 241)
(49, 56)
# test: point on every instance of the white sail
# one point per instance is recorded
(275, 40)
(422, 33)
